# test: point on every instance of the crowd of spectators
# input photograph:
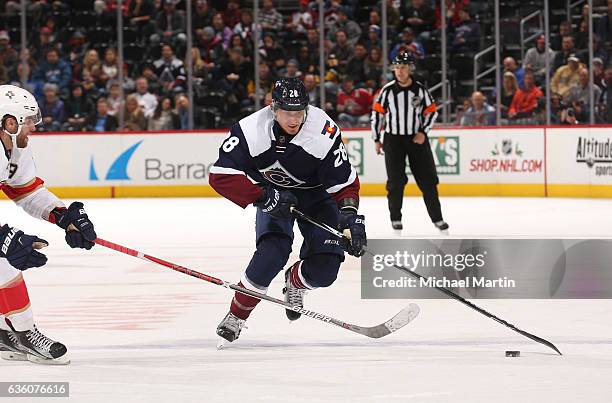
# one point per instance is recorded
(71, 63)
(524, 86)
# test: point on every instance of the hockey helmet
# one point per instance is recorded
(289, 94)
(18, 103)
(404, 58)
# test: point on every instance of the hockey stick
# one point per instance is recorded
(401, 319)
(446, 291)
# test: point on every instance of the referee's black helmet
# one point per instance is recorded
(290, 94)
(404, 58)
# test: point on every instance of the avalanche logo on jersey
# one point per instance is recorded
(278, 175)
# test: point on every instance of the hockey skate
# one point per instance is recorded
(229, 329)
(397, 225)
(42, 350)
(10, 349)
(293, 295)
(442, 226)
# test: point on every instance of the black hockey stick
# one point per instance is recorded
(446, 291)
(401, 319)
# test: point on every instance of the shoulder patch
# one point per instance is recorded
(318, 133)
(257, 130)
(330, 129)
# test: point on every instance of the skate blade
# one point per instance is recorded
(444, 232)
(49, 361)
(13, 356)
(222, 344)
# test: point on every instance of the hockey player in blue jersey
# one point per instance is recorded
(289, 154)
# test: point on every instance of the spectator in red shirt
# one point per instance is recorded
(525, 100)
(452, 12)
(353, 105)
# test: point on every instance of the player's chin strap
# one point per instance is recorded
(6, 131)
(446, 291)
(14, 136)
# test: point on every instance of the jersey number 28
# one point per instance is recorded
(341, 155)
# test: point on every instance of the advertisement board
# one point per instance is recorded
(103, 160)
(573, 162)
(581, 161)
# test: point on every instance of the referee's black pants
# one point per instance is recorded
(422, 166)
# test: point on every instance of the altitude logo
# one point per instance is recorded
(594, 152)
(118, 169)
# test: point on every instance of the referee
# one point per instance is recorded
(405, 111)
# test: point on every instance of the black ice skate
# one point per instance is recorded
(442, 226)
(41, 349)
(397, 225)
(229, 328)
(10, 349)
(293, 295)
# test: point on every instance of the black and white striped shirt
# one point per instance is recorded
(403, 110)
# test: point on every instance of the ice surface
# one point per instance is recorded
(140, 333)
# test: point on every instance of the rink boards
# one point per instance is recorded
(525, 161)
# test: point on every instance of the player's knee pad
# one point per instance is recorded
(321, 270)
(269, 259)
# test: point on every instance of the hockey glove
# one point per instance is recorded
(80, 231)
(355, 223)
(20, 249)
(277, 203)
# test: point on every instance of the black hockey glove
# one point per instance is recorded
(277, 203)
(80, 231)
(355, 223)
(20, 249)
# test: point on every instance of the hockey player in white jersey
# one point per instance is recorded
(19, 337)
(289, 154)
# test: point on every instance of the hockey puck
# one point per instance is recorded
(513, 353)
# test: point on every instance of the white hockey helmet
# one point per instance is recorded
(20, 104)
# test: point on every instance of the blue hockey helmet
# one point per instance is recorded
(290, 94)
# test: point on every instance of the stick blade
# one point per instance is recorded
(401, 319)
(538, 339)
